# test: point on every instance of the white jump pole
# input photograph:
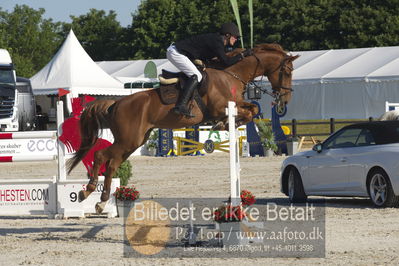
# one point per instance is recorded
(29, 135)
(60, 145)
(27, 158)
(235, 169)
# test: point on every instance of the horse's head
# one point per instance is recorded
(278, 67)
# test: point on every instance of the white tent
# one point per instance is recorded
(72, 69)
(341, 84)
(133, 71)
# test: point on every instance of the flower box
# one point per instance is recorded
(125, 197)
(124, 207)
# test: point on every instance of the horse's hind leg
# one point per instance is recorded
(117, 154)
(99, 159)
(113, 160)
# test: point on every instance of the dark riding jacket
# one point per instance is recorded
(205, 47)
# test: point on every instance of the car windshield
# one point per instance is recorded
(364, 135)
(343, 139)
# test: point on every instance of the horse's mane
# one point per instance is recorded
(269, 47)
(263, 47)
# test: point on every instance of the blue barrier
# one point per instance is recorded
(255, 146)
(165, 143)
(193, 135)
(279, 137)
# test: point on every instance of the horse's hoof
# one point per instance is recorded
(82, 196)
(238, 124)
(100, 207)
(218, 126)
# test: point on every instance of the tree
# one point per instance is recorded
(322, 24)
(98, 33)
(295, 24)
(158, 23)
(31, 40)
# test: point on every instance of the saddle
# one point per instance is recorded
(171, 83)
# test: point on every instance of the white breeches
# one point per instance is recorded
(182, 62)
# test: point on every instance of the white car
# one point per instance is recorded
(359, 160)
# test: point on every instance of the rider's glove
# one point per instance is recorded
(247, 52)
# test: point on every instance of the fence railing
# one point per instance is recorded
(332, 126)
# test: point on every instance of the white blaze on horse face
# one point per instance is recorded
(287, 77)
(287, 82)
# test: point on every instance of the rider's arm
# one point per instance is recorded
(227, 60)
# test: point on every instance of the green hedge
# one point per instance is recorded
(124, 172)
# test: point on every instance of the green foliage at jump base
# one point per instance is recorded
(124, 172)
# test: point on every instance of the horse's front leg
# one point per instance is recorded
(245, 114)
(220, 125)
(253, 108)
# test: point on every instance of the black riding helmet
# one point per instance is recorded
(230, 28)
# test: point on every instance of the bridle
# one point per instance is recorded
(276, 89)
(281, 69)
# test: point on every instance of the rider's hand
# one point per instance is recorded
(247, 52)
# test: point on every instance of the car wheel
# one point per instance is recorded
(296, 192)
(380, 190)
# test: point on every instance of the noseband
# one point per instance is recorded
(281, 67)
(276, 90)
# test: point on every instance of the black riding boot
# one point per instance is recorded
(181, 105)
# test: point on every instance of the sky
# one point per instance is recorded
(60, 10)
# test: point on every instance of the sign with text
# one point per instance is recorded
(28, 146)
(68, 192)
(29, 197)
(195, 227)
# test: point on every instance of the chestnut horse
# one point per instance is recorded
(132, 118)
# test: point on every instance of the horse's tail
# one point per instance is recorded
(92, 120)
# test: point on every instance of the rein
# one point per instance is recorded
(236, 76)
(274, 92)
(240, 79)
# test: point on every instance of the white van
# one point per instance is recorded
(17, 104)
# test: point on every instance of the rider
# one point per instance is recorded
(203, 47)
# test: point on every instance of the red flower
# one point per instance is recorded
(126, 193)
(229, 213)
(247, 198)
